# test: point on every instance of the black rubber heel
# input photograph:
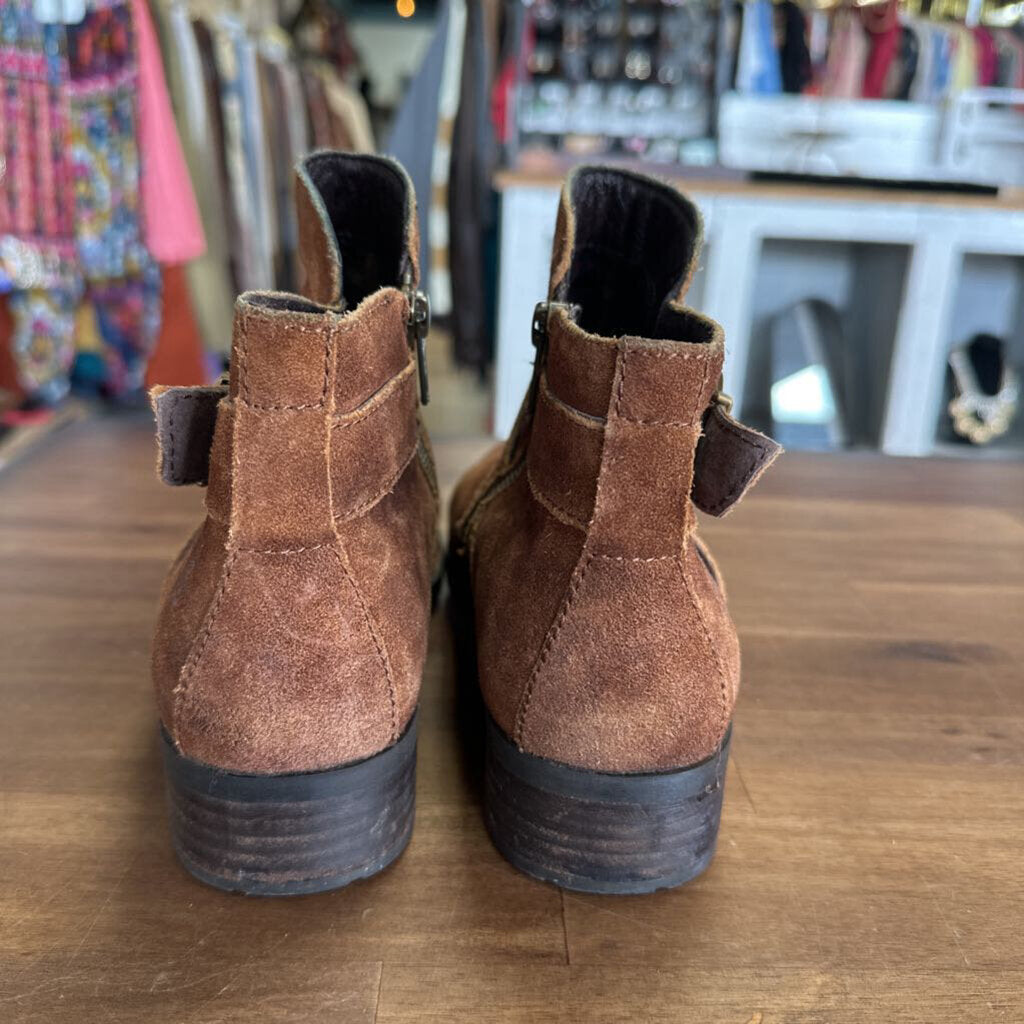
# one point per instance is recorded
(281, 835)
(602, 832)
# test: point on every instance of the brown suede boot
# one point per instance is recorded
(606, 657)
(292, 631)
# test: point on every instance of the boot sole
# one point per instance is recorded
(283, 835)
(597, 831)
(588, 831)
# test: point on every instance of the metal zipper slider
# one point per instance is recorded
(541, 312)
(418, 327)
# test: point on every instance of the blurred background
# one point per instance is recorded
(859, 166)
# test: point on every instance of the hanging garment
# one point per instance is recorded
(319, 113)
(90, 366)
(964, 74)
(211, 287)
(286, 117)
(257, 152)
(471, 205)
(207, 51)
(43, 340)
(818, 33)
(945, 46)
(122, 277)
(987, 56)
(1011, 59)
(847, 57)
(414, 128)
(11, 393)
(128, 312)
(178, 355)
(173, 232)
(757, 69)
(1006, 57)
(38, 259)
(903, 68)
(883, 27)
(794, 56)
(36, 197)
(440, 171)
(921, 89)
(297, 119)
(279, 167)
(348, 112)
(249, 239)
(72, 205)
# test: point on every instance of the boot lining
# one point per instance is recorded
(634, 241)
(366, 201)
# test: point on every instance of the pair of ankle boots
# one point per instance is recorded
(292, 633)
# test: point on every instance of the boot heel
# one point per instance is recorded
(279, 835)
(601, 832)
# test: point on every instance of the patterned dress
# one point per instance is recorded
(70, 213)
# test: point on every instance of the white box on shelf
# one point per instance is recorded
(983, 137)
(978, 138)
(839, 138)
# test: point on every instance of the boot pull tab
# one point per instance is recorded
(418, 327)
(185, 420)
(730, 458)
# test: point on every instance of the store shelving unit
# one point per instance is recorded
(909, 270)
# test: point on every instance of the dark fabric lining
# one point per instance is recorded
(634, 241)
(288, 303)
(366, 202)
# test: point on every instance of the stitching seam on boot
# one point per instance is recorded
(245, 391)
(377, 641)
(573, 415)
(549, 642)
(707, 639)
(376, 401)
(387, 487)
(499, 485)
(188, 670)
(559, 513)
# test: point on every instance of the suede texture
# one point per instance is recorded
(293, 626)
(603, 636)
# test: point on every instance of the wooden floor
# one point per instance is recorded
(871, 860)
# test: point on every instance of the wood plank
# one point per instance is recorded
(682, 993)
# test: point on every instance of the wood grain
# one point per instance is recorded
(869, 862)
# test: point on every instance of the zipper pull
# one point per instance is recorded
(418, 327)
(541, 312)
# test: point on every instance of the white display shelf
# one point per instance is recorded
(924, 239)
(864, 283)
(989, 299)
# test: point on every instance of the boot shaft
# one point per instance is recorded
(623, 474)
(321, 416)
(358, 228)
(320, 413)
(617, 415)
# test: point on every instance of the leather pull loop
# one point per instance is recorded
(185, 418)
(730, 458)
